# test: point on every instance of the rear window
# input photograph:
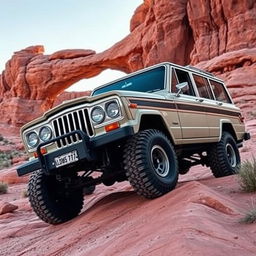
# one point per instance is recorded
(220, 92)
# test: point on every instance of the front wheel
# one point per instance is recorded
(223, 157)
(51, 200)
(150, 163)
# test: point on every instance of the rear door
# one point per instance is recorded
(223, 109)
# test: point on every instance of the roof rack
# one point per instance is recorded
(199, 70)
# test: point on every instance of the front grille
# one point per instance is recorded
(75, 120)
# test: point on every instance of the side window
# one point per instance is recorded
(220, 92)
(183, 76)
(203, 87)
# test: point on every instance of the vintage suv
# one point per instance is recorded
(146, 128)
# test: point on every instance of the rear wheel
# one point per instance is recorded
(51, 200)
(224, 157)
(150, 163)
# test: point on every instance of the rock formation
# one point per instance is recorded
(221, 26)
(183, 31)
(6, 207)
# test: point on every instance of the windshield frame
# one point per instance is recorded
(135, 74)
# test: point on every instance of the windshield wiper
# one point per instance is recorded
(155, 90)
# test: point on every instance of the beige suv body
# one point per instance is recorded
(146, 127)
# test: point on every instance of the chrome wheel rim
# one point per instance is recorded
(160, 161)
(231, 155)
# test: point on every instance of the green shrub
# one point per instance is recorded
(250, 217)
(7, 156)
(5, 159)
(247, 175)
(3, 187)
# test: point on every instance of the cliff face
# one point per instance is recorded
(180, 31)
(221, 26)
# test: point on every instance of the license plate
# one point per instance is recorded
(66, 159)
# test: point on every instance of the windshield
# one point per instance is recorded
(149, 81)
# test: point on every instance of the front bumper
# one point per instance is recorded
(84, 150)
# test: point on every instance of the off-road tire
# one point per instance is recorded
(224, 157)
(51, 201)
(141, 168)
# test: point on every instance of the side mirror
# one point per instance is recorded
(182, 87)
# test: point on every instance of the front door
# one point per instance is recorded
(192, 116)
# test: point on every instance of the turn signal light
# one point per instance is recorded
(111, 127)
(133, 105)
(43, 152)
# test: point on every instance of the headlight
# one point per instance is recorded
(32, 139)
(98, 115)
(112, 109)
(45, 133)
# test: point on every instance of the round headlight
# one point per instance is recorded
(32, 139)
(45, 133)
(112, 110)
(98, 115)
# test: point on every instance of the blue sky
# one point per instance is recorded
(65, 24)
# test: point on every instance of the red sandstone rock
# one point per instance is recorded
(19, 159)
(7, 207)
(199, 217)
(71, 54)
(10, 176)
(221, 26)
(69, 96)
(238, 70)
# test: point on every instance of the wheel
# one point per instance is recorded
(150, 163)
(51, 201)
(223, 157)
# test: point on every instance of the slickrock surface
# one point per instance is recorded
(200, 217)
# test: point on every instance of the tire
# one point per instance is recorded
(150, 163)
(51, 201)
(224, 158)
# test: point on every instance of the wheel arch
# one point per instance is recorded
(155, 121)
(226, 126)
